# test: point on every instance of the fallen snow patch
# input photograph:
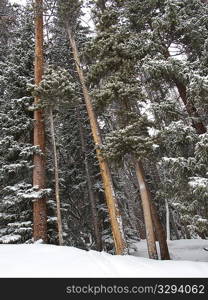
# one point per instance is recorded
(54, 261)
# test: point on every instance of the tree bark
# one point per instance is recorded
(159, 230)
(39, 205)
(145, 197)
(56, 175)
(114, 213)
(167, 220)
(160, 233)
(92, 198)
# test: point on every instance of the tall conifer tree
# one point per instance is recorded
(39, 205)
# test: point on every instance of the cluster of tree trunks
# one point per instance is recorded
(152, 223)
(114, 213)
(40, 211)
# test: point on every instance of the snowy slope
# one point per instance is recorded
(54, 261)
(191, 250)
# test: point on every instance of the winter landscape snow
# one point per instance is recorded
(38, 260)
(103, 139)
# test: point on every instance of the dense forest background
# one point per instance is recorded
(145, 65)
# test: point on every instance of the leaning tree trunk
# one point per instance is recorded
(160, 232)
(56, 174)
(39, 205)
(151, 219)
(114, 213)
(145, 197)
(92, 198)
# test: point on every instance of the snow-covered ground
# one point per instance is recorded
(188, 260)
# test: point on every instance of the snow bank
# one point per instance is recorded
(54, 261)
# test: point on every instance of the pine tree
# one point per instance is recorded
(123, 105)
(115, 218)
(55, 89)
(75, 185)
(168, 26)
(39, 205)
(7, 20)
(162, 27)
(16, 133)
(117, 88)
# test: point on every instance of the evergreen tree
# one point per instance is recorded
(70, 15)
(129, 98)
(16, 135)
(78, 170)
(117, 88)
(39, 204)
(7, 20)
(170, 53)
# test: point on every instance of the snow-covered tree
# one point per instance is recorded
(170, 38)
(16, 135)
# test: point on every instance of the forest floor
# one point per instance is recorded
(188, 259)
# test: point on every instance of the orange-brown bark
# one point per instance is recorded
(39, 205)
(111, 200)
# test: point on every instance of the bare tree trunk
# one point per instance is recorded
(114, 213)
(56, 174)
(39, 205)
(167, 220)
(164, 252)
(90, 189)
(150, 236)
(159, 230)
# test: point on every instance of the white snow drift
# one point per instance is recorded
(188, 260)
